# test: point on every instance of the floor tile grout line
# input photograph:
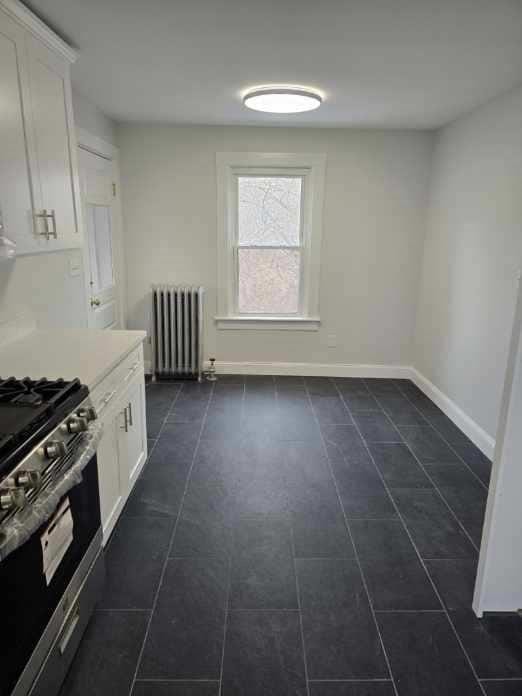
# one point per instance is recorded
(454, 558)
(298, 594)
(160, 680)
(113, 610)
(225, 625)
(409, 611)
(356, 554)
(173, 534)
(430, 424)
(404, 442)
(277, 610)
(229, 561)
(445, 610)
(301, 628)
(501, 679)
(350, 681)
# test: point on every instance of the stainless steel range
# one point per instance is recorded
(51, 565)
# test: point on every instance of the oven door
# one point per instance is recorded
(34, 578)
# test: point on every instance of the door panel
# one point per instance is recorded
(133, 447)
(111, 489)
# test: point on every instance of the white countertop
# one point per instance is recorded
(89, 354)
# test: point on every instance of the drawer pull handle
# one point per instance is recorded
(69, 630)
(109, 396)
(132, 370)
(130, 414)
(105, 400)
(134, 367)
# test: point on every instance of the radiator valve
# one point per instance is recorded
(211, 372)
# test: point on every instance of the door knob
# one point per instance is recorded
(95, 302)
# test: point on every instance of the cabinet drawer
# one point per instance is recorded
(115, 383)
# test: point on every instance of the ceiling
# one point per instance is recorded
(379, 63)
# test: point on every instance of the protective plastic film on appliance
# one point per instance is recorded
(23, 525)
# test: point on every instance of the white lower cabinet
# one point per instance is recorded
(123, 448)
(112, 492)
(132, 443)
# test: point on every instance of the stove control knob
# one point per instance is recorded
(88, 413)
(28, 479)
(12, 498)
(54, 449)
(6, 500)
(75, 425)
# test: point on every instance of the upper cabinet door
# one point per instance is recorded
(54, 170)
(16, 207)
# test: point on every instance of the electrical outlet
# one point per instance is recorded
(331, 340)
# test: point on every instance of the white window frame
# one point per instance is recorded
(311, 168)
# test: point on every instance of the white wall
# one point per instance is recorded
(89, 117)
(472, 256)
(40, 287)
(376, 186)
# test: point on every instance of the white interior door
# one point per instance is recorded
(97, 187)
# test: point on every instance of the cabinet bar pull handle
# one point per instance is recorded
(44, 217)
(130, 414)
(53, 232)
(125, 425)
(47, 233)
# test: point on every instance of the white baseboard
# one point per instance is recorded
(313, 369)
(469, 427)
(306, 369)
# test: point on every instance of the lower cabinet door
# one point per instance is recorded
(112, 488)
(133, 436)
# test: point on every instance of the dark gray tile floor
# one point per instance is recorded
(298, 537)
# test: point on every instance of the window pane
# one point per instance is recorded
(269, 281)
(100, 246)
(269, 210)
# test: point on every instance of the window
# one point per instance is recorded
(99, 238)
(270, 209)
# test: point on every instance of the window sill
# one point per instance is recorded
(269, 323)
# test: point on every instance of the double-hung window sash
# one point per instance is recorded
(268, 254)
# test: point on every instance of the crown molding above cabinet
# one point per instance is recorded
(39, 29)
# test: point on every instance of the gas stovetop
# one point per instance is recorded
(29, 409)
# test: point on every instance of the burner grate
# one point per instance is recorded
(29, 408)
(32, 393)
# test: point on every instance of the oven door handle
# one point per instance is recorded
(70, 626)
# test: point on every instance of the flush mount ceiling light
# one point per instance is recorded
(282, 100)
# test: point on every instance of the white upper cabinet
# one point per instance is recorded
(51, 120)
(16, 206)
(38, 169)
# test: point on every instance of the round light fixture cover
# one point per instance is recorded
(282, 100)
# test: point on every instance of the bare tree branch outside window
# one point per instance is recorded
(269, 241)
